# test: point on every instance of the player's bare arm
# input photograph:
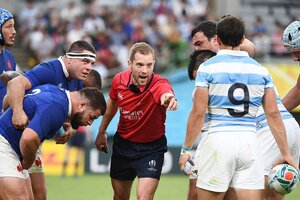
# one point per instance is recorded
(276, 125)
(5, 77)
(29, 144)
(15, 91)
(101, 139)
(292, 99)
(248, 46)
(195, 122)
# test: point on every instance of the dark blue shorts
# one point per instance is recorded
(130, 159)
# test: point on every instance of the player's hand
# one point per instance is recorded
(169, 101)
(288, 160)
(69, 132)
(25, 164)
(63, 139)
(101, 142)
(184, 158)
(68, 129)
(20, 119)
(4, 77)
(9, 75)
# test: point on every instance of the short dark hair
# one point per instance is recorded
(231, 31)
(93, 80)
(196, 59)
(80, 46)
(95, 98)
(208, 28)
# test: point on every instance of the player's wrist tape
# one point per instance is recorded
(185, 150)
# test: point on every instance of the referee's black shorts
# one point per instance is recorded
(131, 159)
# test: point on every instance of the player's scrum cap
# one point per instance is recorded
(291, 37)
(4, 16)
(84, 55)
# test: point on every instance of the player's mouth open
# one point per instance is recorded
(85, 74)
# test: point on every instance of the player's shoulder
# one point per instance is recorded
(48, 65)
(122, 77)
(256, 67)
(53, 93)
(158, 79)
(52, 63)
(7, 52)
(8, 57)
(48, 88)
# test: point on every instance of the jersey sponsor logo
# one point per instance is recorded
(120, 96)
(134, 115)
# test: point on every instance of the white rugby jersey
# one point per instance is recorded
(236, 84)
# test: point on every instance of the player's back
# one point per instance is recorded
(236, 85)
(46, 107)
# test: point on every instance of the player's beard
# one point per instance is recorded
(76, 121)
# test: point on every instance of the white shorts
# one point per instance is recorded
(269, 149)
(37, 166)
(229, 159)
(10, 162)
(193, 169)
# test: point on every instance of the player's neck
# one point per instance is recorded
(224, 47)
(76, 102)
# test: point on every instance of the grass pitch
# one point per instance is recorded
(93, 187)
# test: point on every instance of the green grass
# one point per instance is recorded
(92, 187)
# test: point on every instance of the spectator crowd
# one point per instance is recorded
(46, 28)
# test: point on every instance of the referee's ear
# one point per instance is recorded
(129, 62)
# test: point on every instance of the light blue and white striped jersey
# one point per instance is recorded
(236, 84)
(261, 117)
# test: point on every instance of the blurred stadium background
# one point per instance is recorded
(46, 28)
